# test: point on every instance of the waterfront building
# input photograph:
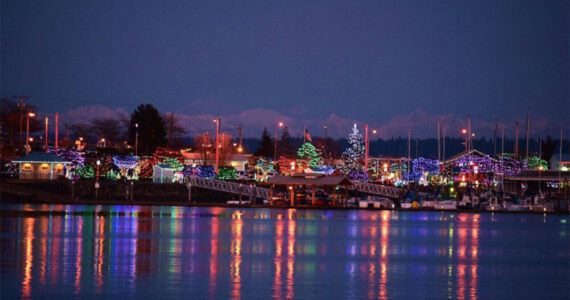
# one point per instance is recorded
(236, 160)
(40, 165)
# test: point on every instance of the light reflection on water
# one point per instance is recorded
(57, 250)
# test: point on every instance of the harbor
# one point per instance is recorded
(284, 150)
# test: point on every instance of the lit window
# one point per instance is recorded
(45, 166)
(27, 166)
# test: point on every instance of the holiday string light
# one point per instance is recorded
(353, 156)
(125, 161)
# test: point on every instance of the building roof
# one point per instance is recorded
(211, 156)
(556, 157)
(309, 179)
(473, 152)
(536, 175)
(165, 166)
(41, 157)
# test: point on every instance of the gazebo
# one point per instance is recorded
(304, 179)
(163, 173)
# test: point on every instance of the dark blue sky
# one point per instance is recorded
(365, 60)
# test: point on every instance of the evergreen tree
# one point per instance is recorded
(152, 133)
(354, 155)
(548, 146)
(310, 155)
(265, 148)
(284, 148)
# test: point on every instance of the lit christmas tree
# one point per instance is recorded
(310, 155)
(354, 156)
(226, 173)
(85, 172)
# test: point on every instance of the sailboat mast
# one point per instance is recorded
(527, 130)
(559, 161)
(438, 142)
(516, 140)
(495, 139)
(409, 151)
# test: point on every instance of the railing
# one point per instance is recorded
(229, 187)
(263, 193)
(377, 189)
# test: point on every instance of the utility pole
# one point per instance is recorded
(326, 140)
(495, 138)
(516, 139)
(21, 106)
(366, 151)
(409, 152)
(443, 146)
(46, 139)
(171, 129)
(218, 121)
(438, 142)
(274, 143)
(56, 130)
(136, 139)
(28, 116)
(240, 136)
(469, 146)
(527, 130)
(443, 142)
(502, 141)
(502, 154)
(559, 161)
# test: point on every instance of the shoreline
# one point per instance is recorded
(244, 206)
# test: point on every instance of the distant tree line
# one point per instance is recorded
(155, 130)
(397, 147)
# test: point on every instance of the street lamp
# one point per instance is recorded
(103, 143)
(28, 116)
(98, 164)
(280, 125)
(464, 131)
(136, 139)
(367, 146)
(97, 180)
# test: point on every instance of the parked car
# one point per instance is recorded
(242, 175)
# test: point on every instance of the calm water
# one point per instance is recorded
(128, 251)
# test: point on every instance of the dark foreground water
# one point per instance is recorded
(83, 251)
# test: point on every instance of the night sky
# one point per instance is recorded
(368, 61)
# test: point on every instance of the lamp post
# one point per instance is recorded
(464, 131)
(367, 146)
(46, 133)
(218, 122)
(97, 179)
(280, 125)
(28, 116)
(98, 164)
(136, 139)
